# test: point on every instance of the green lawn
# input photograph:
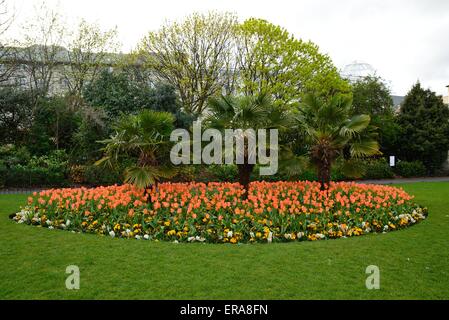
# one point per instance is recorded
(414, 263)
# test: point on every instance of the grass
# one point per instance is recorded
(413, 263)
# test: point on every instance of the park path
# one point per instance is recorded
(405, 180)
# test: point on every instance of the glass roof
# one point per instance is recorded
(357, 70)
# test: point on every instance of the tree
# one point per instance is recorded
(142, 139)
(246, 112)
(41, 49)
(195, 56)
(117, 93)
(89, 51)
(424, 121)
(7, 53)
(271, 60)
(330, 130)
(372, 97)
(54, 123)
(16, 114)
(94, 126)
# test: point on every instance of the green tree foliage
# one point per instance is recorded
(117, 94)
(372, 97)
(16, 111)
(89, 50)
(271, 60)
(93, 127)
(142, 140)
(330, 130)
(195, 56)
(424, 121)
(54, 124)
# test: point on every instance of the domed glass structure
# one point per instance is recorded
(357, 70)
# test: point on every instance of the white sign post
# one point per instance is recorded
(392, 161)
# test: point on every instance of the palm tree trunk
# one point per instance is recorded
(245, 171)
(324, 176)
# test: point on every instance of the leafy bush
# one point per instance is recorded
(223, 173)
(48, 170)
(377, 169)
(3, 171)
(410, 169)
(100, 176)
(11, 155)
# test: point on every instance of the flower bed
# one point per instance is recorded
(216, 213)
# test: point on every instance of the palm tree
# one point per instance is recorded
(141, 140)
(245, 112)
(330, 132)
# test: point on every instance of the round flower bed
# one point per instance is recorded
(216, 213)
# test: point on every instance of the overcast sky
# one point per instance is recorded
(404, 40)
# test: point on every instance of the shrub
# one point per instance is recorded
(100, 176)
(223, 173)
(3, 172)
(11, 155)
(410, 169)
(377, 169)
(46, 171)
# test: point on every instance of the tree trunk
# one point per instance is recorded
(324, 176)
(245, 171)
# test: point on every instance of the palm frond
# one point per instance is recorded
(352, 168)
(364, 147)
(355, 125)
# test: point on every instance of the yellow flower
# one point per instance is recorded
(167, 223)
(233, 240)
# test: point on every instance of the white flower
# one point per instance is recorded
(176, 241)
(190, 239)
(68, 222)
(63, 226)
(50, 227)
(146, 237)
(127, 231)
(287, 236)
(320, 236)
(112, 234)
(251, 234)
(385, 227)
(300, 235)
(270, 237)
(229, 234)
(48, 222)
(138, 237)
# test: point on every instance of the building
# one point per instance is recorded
(24, 61)
(446, 98)
(357, 70)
